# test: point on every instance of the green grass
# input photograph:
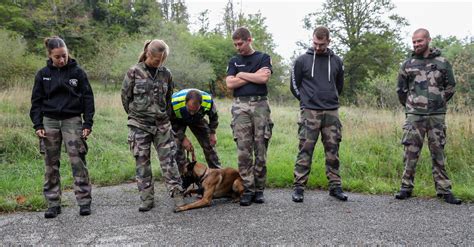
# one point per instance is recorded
(370, 153)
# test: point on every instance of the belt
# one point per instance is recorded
(250, 98)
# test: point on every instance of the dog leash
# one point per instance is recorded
(193, 155)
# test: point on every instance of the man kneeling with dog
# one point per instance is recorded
(190, 106)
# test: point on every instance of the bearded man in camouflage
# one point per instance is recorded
(425, 84)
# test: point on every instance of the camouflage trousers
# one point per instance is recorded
(252, 130)
(69, 131)
(311, 123)
(415, 129)
(140, 145)
(201, 131)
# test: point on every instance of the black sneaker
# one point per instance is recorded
(337, 193)
(298, 195)
(259, 198)
(403, 194)
(451, 199)
(52, 212)
(246, 200)
(84, 210)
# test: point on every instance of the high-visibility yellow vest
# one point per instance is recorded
(178, 100)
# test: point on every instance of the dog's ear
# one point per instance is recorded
(190, 165)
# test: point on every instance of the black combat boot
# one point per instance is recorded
(146, 206)
(85, 210)
(259, 198)
(403, 194)
(337, 193)
(52, 212)
(246, 199)
(298, 195)
(450, 198)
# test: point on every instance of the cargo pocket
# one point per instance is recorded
(268, 132)
(338, 131)
(232, 126)
(232, 123)
(409, 134)
(83, 148)
(42, 147)
(442, 137)
(132, 143)
(302, 128)
(268, 129)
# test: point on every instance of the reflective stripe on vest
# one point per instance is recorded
(178, 100)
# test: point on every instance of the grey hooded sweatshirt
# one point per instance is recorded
(317, 80)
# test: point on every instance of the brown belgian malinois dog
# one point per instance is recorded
(212, 183)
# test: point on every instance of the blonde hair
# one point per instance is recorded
(156, 46)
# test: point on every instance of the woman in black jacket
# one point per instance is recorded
(62, 109)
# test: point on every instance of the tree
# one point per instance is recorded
(67, 19)
(203, 21)
(359, 33)
(232, 20)
(12, 17)
(460, 53)
(217, 50)
(175, 11)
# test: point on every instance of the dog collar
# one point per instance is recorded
(201, 179)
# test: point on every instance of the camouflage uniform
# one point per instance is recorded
(425, 85)
(200, 127)
(252, 130)
(70, 131)
(313, 122)
(251, 123)
(147, 100)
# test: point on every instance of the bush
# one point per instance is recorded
(380, 92)
(16, 65)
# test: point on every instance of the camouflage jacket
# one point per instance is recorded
(147, 98)
(425, 85)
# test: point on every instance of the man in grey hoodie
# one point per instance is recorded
(316, 81)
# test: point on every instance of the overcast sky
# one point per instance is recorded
(284, 17)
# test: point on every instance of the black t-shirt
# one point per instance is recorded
(152, 70)
(249, 64)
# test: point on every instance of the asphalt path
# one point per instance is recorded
(319, 220)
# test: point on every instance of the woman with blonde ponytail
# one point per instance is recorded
(146, 97)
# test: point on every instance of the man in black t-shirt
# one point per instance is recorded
(248, 74)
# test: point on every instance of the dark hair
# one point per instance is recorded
(154, 47)
(53, 43)
(242, 33)
(193, 94)
(424, 31)
(321, 32)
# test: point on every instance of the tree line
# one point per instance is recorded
(106, 36)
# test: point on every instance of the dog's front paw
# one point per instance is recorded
(178, 209)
